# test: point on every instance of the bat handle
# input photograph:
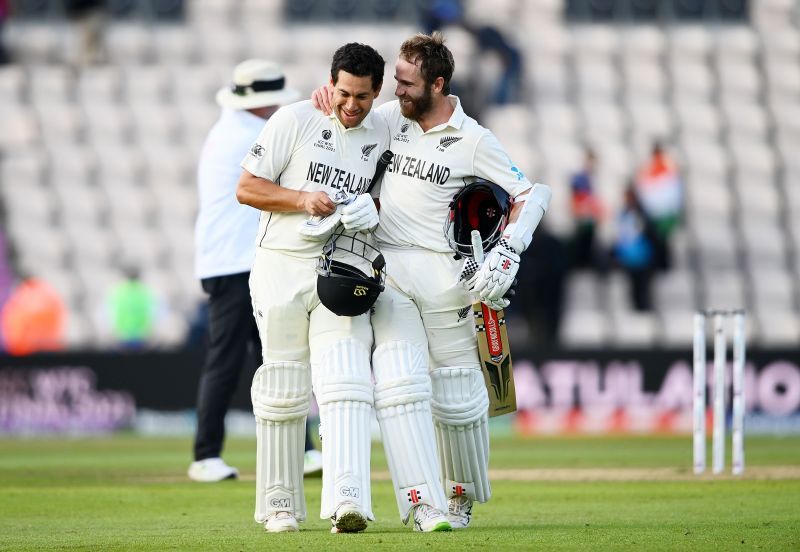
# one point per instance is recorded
(477, 246)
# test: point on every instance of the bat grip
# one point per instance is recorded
(383, 162)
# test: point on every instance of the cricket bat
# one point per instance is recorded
(494, 350)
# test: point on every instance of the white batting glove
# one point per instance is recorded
(500, 304)
(360, 215)
(496, 274)
(468, 270)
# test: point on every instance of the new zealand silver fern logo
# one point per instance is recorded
(462, 313)
(448, 141)
(366, 150)
(404, 128)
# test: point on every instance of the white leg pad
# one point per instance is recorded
(344, 391)
(281, 395)
(402, 403)
(460, 411)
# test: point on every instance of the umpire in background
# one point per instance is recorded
(225, 235)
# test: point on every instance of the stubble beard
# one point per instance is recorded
(419, 106)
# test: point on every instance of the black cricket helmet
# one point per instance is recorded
(482, 206)
(350, 273)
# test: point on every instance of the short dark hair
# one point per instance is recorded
(359, 60)
(436, 59)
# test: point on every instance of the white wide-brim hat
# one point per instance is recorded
(256, 83)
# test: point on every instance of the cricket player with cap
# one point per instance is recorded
(301, 159)
(429, 390)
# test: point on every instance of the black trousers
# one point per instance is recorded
(233, 346)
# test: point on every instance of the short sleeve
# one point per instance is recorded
(272, 150)
(493, 163)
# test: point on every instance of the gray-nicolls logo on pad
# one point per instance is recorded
(447, 141)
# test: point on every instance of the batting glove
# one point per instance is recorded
(468, 270)
(497, 273)
(360, 215)
(500, 304)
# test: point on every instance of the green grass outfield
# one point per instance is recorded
(129, 493)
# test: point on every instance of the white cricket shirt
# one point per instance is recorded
(428, 169)
(300, 148)
(224, 228)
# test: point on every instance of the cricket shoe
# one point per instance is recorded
(459, 511)
(312, 461)
(211, 470)
(428, 519)
(281, 522)
(348, 519)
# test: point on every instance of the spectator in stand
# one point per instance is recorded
(588, 212)
(34, 318)
(539, 296)
(132, 307)
(660, 192)
(634, 250)
(440, 13)
(91, 18)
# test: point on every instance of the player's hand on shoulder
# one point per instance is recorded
(360, 215)
(322, 99)
(317, 204)
(497, 273)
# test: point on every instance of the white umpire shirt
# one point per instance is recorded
(302, 149)
(428, 169)
(224, 228)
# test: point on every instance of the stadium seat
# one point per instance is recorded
(644, 82)
(176, 45)
(13, 86)
(723, 289)
(584, 328)
(676, 328)
(100, 84)
(130, 43)
(777, 327)
(642, 43)
(633, 329)
(691, 80)
(674, 290)
(689, 43)
(736, 42)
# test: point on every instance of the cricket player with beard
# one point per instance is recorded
(429, 390)
(301, 159)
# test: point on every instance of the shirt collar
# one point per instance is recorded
(366, 123)
(456, 120)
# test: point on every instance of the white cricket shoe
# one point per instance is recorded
(459, 511)
(211, 470)
(312, 461)
(281, 522)
(428, 519)
(348, 519)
